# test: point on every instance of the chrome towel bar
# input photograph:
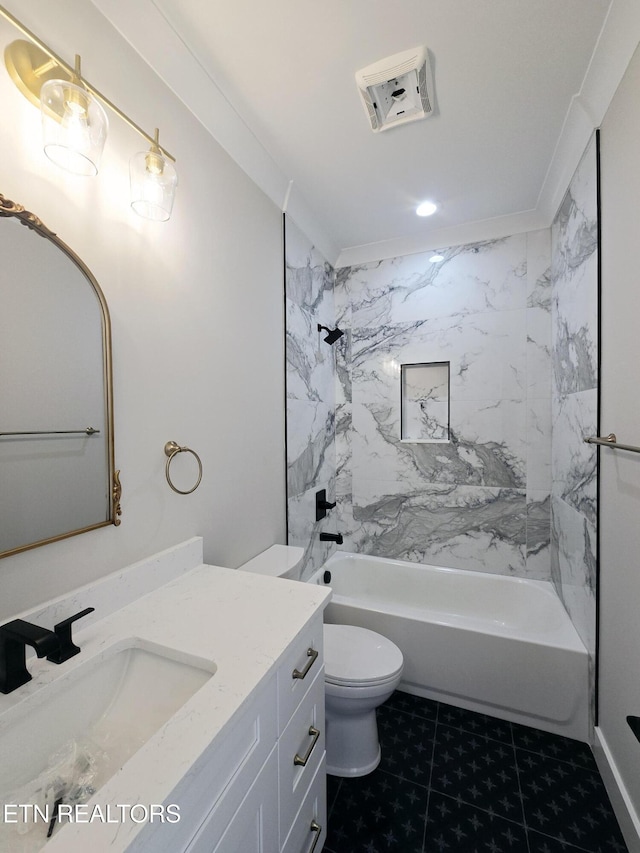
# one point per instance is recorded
(611, 441)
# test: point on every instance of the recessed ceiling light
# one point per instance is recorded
(427, 208)
(435, 259)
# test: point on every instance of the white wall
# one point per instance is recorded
(196, 310)
(619, 693)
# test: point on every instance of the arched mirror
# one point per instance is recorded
(57, 473)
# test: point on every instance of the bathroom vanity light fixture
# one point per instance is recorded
(333, 336)
(74, 121)
(153, 183)
(74, 124)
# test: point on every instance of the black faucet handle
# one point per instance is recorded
(322, 504)
(63, 632)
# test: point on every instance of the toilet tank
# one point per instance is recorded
(279, 561)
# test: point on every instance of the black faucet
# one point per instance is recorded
(331, 537)
(14, 637)
(66, 647)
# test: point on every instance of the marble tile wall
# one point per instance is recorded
(482, 500)
(310, 384)
(514, 490)
(574, 273)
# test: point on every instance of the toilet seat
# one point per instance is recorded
(359, 657)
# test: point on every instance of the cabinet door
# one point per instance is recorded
(214, 789)
(254, 827)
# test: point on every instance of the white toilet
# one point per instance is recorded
(362, 669)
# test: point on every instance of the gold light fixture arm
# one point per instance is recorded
(29, 69)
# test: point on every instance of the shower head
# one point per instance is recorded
(334, 334)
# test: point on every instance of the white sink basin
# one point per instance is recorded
(79, 730)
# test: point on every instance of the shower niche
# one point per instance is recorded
(425, 402)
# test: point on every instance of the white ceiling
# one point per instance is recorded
(519, 84)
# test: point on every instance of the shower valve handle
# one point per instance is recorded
(322, 504)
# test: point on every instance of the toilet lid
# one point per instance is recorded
(355, 655)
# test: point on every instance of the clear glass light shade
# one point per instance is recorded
(74, 127)
(153, 185)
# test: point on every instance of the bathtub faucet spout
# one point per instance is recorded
(331, 537)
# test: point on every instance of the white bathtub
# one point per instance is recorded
(499, 645)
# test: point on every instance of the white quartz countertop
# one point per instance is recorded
(240, 622)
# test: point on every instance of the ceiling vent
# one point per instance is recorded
(397, 89)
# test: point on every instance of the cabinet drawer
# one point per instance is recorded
(309, 830)
(299, 667)
(254, 826)
(300, 751)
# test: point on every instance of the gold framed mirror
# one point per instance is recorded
(57, 470)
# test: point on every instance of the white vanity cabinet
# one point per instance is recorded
(301, 745)
(241, 760)
(262, 789)
(254, 828)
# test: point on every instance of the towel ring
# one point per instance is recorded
(172, 449)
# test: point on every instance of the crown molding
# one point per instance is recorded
(443, 238)
(612, 54)
(617, 42)
(152, 36)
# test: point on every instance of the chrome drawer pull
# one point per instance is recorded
(300, 761)
(312, 654)
(315, 827)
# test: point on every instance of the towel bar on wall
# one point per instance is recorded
(87, 431)
(611, 441)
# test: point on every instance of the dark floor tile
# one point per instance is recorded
(413, 705)
(477, 770)
(333, 790)
(494, 787)
(470, 721)
(453, 825)
(567, 803)
(539, 843)
(575, 752)
(406, 742)
(377, 813)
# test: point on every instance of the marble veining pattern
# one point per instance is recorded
(310, 391)
(573, 461)
(463, 503)
(480, 500)
(460, 526)
(575, 396)
(311, 447)
(517, 320)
